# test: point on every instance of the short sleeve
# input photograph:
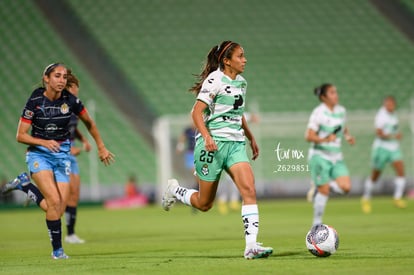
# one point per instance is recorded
(28, 111)
(77, 106)
(209, 90)
(313, 123)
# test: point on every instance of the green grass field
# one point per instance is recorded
(151, 241)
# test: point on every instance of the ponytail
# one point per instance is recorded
(71, 79)
(214, 61)
(321, 90)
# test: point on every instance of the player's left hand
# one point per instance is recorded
(86, 146)
(105, 156)
(255, 149)
(350, 139)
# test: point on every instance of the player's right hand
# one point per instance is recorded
(210, 144)
(331, 137)
(106, 156)
(52, 145)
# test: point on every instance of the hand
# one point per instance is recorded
(52, 145)
(330, 138)
(75, 151)
(87, 146)
(255, 149)
(105, 156)
(210, 144)
(350, 139)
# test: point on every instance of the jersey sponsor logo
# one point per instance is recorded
(64, 109)
(204, 91)
(51, 127)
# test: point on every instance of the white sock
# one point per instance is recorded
(399, 187)
(250, 216)
(335, 187)
(369, 185)
(184, 194)
(319, 203)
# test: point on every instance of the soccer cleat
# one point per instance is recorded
(366, 205)
(17, 183)
(74, 239)
(400, 203)
(59, 254)
(311, 193)
(256, 251)
(168, 199)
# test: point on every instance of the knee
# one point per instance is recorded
(346, 188)
(205, 207)
(324, 189)
(54, 203)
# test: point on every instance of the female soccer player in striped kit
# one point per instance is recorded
(220, 145)
(386, 149)
(47, 113)
(325, 131)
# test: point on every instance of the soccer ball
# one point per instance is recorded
(322, 240)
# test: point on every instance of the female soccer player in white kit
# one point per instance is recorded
(220, 145)
(325, 131)
(386, 149)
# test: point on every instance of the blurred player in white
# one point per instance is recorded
(325, 131)
(218, 114)
(386, 149)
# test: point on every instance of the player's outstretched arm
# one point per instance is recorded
(104, 154)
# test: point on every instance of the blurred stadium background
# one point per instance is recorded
(135, 60)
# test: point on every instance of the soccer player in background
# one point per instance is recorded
(220, 145)
(325, 131)
(386, 149)
(47, 113)
(72, 85)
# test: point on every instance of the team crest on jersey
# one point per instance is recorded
(64, 109)
(204, 170)
(35, 165)
(204, 91)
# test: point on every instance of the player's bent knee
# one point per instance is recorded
(205, 207)
(346, 188)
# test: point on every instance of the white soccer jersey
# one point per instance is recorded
(226, 100)
(388, 123)
(325, 122)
